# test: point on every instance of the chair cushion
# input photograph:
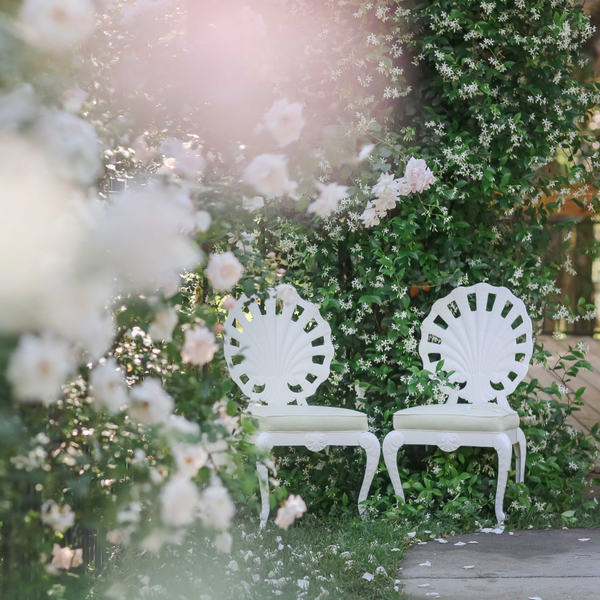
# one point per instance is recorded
(457, 417)
(288, 417)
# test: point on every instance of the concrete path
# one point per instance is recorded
(524, 565)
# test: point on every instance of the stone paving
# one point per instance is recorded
(520, 565)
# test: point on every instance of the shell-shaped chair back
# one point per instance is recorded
(483, 334)
(279, 354)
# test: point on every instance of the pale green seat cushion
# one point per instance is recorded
(457, 417)
(306, 418)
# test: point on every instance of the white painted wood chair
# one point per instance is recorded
(484, 336)
(279, 354)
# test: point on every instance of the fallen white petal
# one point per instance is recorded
(434, 594)
(368, 576)
(584, 539)
(460, 544)
(412, 534)
(534, 598)
(473, 542)
(396, 550)
(469, 567)
(441, 540)
(424, 585)
(421, 543)
(425, 564)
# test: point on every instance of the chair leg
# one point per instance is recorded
(393, 441)
(263, 480)
(504, 449)
(520, 449)
(373, 449)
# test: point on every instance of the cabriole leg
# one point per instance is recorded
(520, 449)
(373, 449)
(264, 442)
(394, 440)
(504, 449)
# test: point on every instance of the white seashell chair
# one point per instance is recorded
(484, 336)
(279, 355)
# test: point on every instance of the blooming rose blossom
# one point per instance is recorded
(182, 159)
(39, 367)
(161, 329)
(223, 542)
(199, 347)
(287, 293)
(224, 271)
(179, 500)
(252, 204)
(293, 508)
(72, 144)
(58, 25)
(215, 506)
(268, 174)
(229, 303)
(73, 100)
(284, 121)
(253, 21)
(65, 558)
(150, 404)
(202, 221)
(108, 387)
(59, 519)
(418, 176)
(189, 458)
(370, 217)
(386, 186)
(328, 200)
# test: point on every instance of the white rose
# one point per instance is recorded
(293, 509)
(58, 25)
(65, 558)
(108, 386)
(215, 506)
(182, 159)
(72, 144)
(386, 186)
(418, 176)
(189, 458)
(252, 204)
(268, 174)
(150, 404)
(161, 329)
(284, 121)
(199, 347)
(202, 220)
(224, 271)
(179, 500)
(328, 200)
(59, 519)
(287, 293)
(383, 204)
(370, 216)
(39, 367)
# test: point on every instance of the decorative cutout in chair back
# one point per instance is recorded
(286, 351)
(483, 334)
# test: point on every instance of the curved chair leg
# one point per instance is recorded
(373, 449)
(265, 442)
(520, 449)
(504, 449)
(393, 441)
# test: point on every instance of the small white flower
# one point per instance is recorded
(224, 271)
(287, 294)
(59, 519)
(108, 387)
(268, 174)
(328, 200)
(199, 347)
(252, 204)
(189, 458)
(215, 506)
(58, 25)
(39, 367)
(179, 500)
(284, 121)
(161, 329)
(293, 508)
(150, 404)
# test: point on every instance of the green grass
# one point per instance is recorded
(270, 563)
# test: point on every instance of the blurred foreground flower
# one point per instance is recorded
(293, 508)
